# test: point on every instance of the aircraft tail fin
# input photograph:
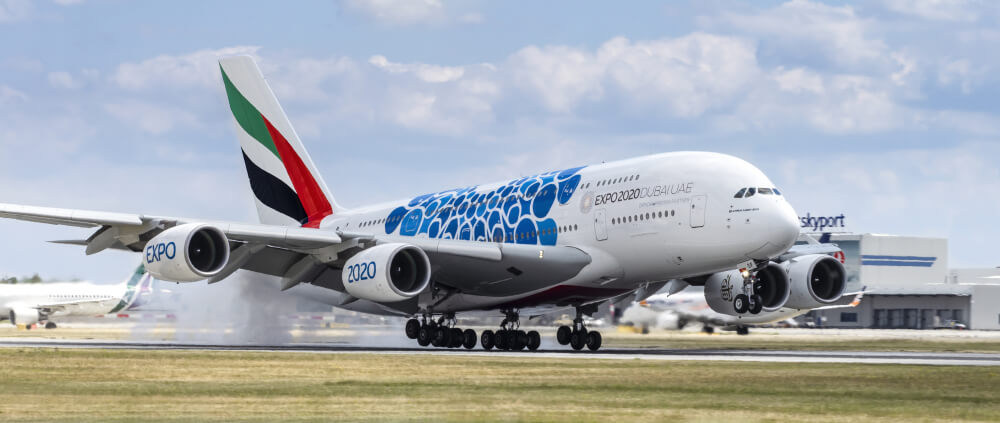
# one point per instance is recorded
(139, 289)
(285, 183)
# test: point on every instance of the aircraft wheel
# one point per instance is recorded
(740, 303)
(594, 340)
(577, 340)
(456, 338)
(50, 325)
(534, 340)
(742, 330)
(412, 327)
(562, 335)
(425, 335)
(756, 304)
(469, 339)
(516, 340)
(442, 336)
(487, 340)
(501, 339)
(708, 329)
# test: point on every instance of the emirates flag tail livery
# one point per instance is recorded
(28, 304)
(570, 238)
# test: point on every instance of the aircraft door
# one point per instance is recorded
(600, 225)
(698, 211)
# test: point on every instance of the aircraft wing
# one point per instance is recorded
(50, 308)
(301, 254)
(854, 303)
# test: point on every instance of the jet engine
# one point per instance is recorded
(387, 273)
(24, 316)
(723, 287)
(815, 280)
(187, 253)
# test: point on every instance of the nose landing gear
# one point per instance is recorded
(749, 301)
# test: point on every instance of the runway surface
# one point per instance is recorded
(860, 357)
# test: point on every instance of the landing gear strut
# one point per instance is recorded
(578, 336)
(509, 336)
(441, 333)
(749, 301)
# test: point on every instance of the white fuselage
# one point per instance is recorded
(73, 298)
(691, 306)
(642, 220)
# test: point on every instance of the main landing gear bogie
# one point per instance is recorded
(440, 334)
(509, 337)
(578, 336)
(749, 301)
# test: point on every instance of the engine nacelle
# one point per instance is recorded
(772, 286)
(24, 316)
(387, 273)
(815, 280)
(187, 253)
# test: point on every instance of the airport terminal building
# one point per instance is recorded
(911, 286)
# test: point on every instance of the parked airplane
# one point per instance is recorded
(570, 238)
(27, 304)
(675, 311)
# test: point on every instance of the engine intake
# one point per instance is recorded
(187, 253)
(772, 286)
(387, 273)
(815, 280)
(24, 316)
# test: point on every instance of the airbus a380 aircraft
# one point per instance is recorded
(570, 238)
(27, 304)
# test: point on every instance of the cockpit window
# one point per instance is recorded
(739, 194)
(764, 191)
(776, 192)
(750, 192)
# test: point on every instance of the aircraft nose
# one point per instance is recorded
(785, 226)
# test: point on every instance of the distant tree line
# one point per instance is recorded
(12, 280)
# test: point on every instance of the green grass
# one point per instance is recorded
(123, 385)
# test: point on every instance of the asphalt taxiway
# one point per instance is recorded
(857, 357)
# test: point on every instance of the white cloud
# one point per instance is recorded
(151, 118)
(195, 70)
(399, 12)
(837, 33)
(426, 73)
(9, 95)
(14, 10)
(682, 77)
(63, 80)
(941, 10)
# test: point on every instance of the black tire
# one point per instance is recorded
(469, 339)
(534, 340)
(562, 335)
(456, 338)
(50, 325)
(515, 341)
(742, 330)
(412, 327)
(577, 340)
(756, 304)
(708, 329)
(441, 337)
(487, 340)
(424, 335)
(740, 304)
(594, 340)
(501, 340)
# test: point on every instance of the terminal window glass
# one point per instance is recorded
(849, 317)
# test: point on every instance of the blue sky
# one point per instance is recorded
(885, 111)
